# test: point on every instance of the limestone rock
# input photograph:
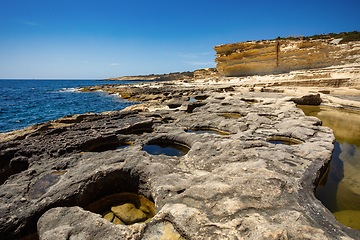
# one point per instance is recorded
(311, 99)
(162, 231)
(235, 186)
(109, 216)
(278, 56)
(117, 221)
(128, 213)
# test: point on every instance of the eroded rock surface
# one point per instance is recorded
(235, 186)
(277, 56)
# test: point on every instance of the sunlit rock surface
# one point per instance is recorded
(278, 56)
(234, 186)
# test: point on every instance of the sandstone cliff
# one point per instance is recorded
(278, 56)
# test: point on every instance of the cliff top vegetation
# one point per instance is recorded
(346, 37)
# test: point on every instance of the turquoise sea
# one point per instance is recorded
(27, 102)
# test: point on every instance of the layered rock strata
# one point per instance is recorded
(278, 56)
(332, 78)
(235, 186)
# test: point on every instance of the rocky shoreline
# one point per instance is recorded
(254, 181)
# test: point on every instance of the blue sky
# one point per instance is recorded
(94, 39)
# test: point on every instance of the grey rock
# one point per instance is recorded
(311, 99)
(237, 186)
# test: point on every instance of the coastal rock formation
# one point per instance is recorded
(245, 184)
(313, 99)
(185, 76)
(278, 56)
(155, 77)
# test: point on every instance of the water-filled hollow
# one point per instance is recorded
(124, 208)
(118, 198)
(42, 185)
(166, 147)
(201, 97)
(283, 140)
(230, 115)
(109, 146)
(339, 187)
(203, 130)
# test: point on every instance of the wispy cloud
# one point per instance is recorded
(114, 64)
(194, 63)
(29, 23)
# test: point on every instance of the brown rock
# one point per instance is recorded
(311, 99)
(128, 213)
(109, 216)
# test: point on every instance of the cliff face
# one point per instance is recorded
(278, 56)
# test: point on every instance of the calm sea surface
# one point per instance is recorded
(27, 102)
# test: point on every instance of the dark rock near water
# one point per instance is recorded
(311, 99)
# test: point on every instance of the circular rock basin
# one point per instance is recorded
(207, 130)
(230, 115)
(201, 98)
(109, 146)
(124, 208)
(283, 140)
(167, 148)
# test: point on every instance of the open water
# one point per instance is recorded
(27, 102)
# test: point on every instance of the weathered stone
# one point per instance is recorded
(128, 213)
(237, 186)
(162, 231)
(312, 99)
(117, 221)
(109, 216)
(277, 56)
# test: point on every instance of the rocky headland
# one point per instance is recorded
(248, 164)
(200, 73)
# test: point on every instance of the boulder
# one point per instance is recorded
(311, 99)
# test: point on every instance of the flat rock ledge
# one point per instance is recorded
(235, 186)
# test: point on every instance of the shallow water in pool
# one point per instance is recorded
(339, 189)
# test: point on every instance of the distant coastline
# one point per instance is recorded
(154, 77)
(189, 75)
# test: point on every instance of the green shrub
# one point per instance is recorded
(352, 36)
(346, 36)
(229, 52)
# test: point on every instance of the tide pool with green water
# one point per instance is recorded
(339, 188)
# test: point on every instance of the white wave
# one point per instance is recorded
(69, 90)
(116, 94)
